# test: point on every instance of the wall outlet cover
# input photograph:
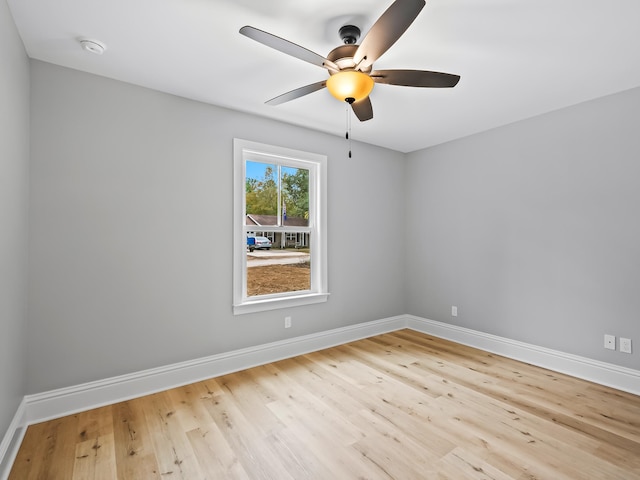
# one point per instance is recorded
(610, 342)
(625, 345)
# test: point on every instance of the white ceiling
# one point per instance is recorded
(517, 58)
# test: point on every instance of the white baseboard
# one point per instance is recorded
(65, 401)
(12, 440)
(607, 374)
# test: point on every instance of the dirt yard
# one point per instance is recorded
(278, 278)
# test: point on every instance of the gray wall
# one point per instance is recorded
(14, 164)
(529, 229)
(533, 229)
(131, 230)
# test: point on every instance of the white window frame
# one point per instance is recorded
(244, 150)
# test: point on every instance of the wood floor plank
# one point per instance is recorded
(172, 449)
(47, 450)
(401, 405)
(215, 456)
(248, 442)
(56, 460)
(135, 457)
(96, 458)
(252, 391)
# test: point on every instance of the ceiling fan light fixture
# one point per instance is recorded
(350, 84)
(350, 66)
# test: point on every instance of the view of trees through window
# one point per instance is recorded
(277, 209)
(291, 187)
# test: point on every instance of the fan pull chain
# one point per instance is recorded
(348, 134)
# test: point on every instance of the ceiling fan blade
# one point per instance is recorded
(386, 31)
(290, 48)
(363, 109)
(297, 93)
(415, 78)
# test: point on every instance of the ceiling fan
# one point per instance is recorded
(350, 66)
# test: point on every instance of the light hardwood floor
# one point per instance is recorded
(402, 405)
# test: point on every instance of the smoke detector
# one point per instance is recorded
(93, 46)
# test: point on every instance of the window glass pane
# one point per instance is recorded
(295, 196)
(283, 266)
(261, 194)
(277, 261)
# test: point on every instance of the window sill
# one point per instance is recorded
(262, 305)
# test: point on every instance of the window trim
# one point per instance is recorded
(317, 164)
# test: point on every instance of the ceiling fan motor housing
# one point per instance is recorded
(343, 57)
(349, 34)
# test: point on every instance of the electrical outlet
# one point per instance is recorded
(610, 342)
(454, 311)
(625, 345)
(287, 322)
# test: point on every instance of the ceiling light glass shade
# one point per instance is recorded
(350, 84)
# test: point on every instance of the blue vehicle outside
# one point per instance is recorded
(257, 243)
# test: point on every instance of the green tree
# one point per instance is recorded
(262, 194)
(295, 192)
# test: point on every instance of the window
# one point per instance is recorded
(280, 251)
